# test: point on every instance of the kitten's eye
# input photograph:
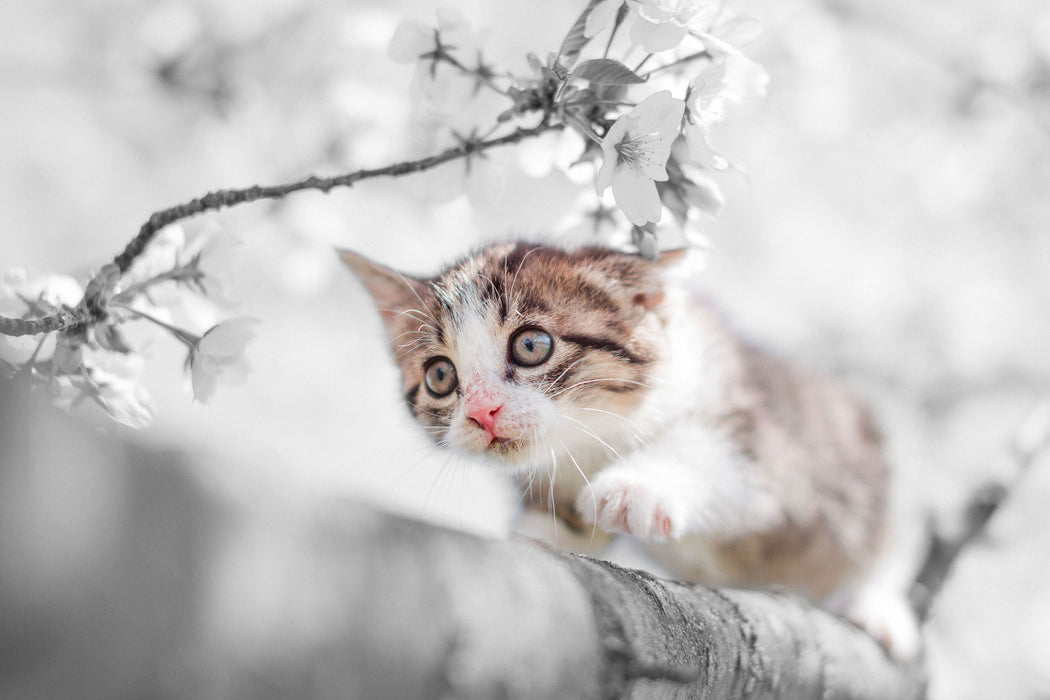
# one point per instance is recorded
(440, 377)
(530, 347)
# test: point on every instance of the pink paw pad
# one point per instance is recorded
(632, 509)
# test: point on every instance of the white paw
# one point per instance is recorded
(622, 501)
(886, 616)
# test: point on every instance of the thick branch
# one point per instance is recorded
(92, 308)
(169, 593)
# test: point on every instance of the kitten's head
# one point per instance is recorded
(521, 351)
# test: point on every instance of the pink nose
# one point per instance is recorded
(484, 414)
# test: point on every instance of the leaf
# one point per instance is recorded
(606, 71)
(575, 40)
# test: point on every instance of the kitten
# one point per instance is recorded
(631, 406)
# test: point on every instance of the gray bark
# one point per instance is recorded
(156, 588)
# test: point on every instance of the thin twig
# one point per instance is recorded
(479, 74)
(677, 62)
(93, 307)
(1031, 440)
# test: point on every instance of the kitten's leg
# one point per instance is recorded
(878, 599)
(689, 480)
(885, 613)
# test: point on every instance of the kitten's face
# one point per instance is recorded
(520, 351)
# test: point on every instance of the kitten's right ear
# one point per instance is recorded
(393, 292)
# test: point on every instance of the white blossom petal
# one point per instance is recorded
(700, 150)
(204, 377)
(636, 195)
(654, 10)
(219, 355)
(227, 338)
(655, 37)
(707, 91)
(636, 150)
(660, 112)
(454, 28)
(738, 30)
(601, 16)
(744, 79)
(126, 401)
(605, 173)
(705, 195)
(617, 131)
(411, 39)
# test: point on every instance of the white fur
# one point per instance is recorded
(480, 363)
(689, 480)
(686, 478)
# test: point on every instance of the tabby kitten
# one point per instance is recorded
(631, 406)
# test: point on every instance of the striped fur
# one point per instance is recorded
(651, 415)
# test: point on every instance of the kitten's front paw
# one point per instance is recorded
(886, 616)
(621, 501)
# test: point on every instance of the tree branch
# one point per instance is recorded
(1031, 440)
(92, 308)
(180, 595)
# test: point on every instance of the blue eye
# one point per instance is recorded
(440, 377)
(530, 347)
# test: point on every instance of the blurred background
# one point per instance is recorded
(889, 221)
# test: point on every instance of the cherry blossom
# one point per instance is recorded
(413, 39)
(219, 355)
(124, 399)
(636, 150)
(662, 24)
(705, 105)
(743, 78)
(730, 76)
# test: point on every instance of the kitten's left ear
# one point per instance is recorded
(651, 296)
(393, 292)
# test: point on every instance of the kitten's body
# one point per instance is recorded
(648, 414)
(752, 471)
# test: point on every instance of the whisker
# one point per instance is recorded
(432, 415)
(402, 335)
(417, 314)
(549, 386)
(603, 379)
(405, 348)
(437, 479)
(514, 281)
(526, 489)
(636, 432)
(412, 466)
(590, 489)
(584, 429)
(554, 506)
(422, 303)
